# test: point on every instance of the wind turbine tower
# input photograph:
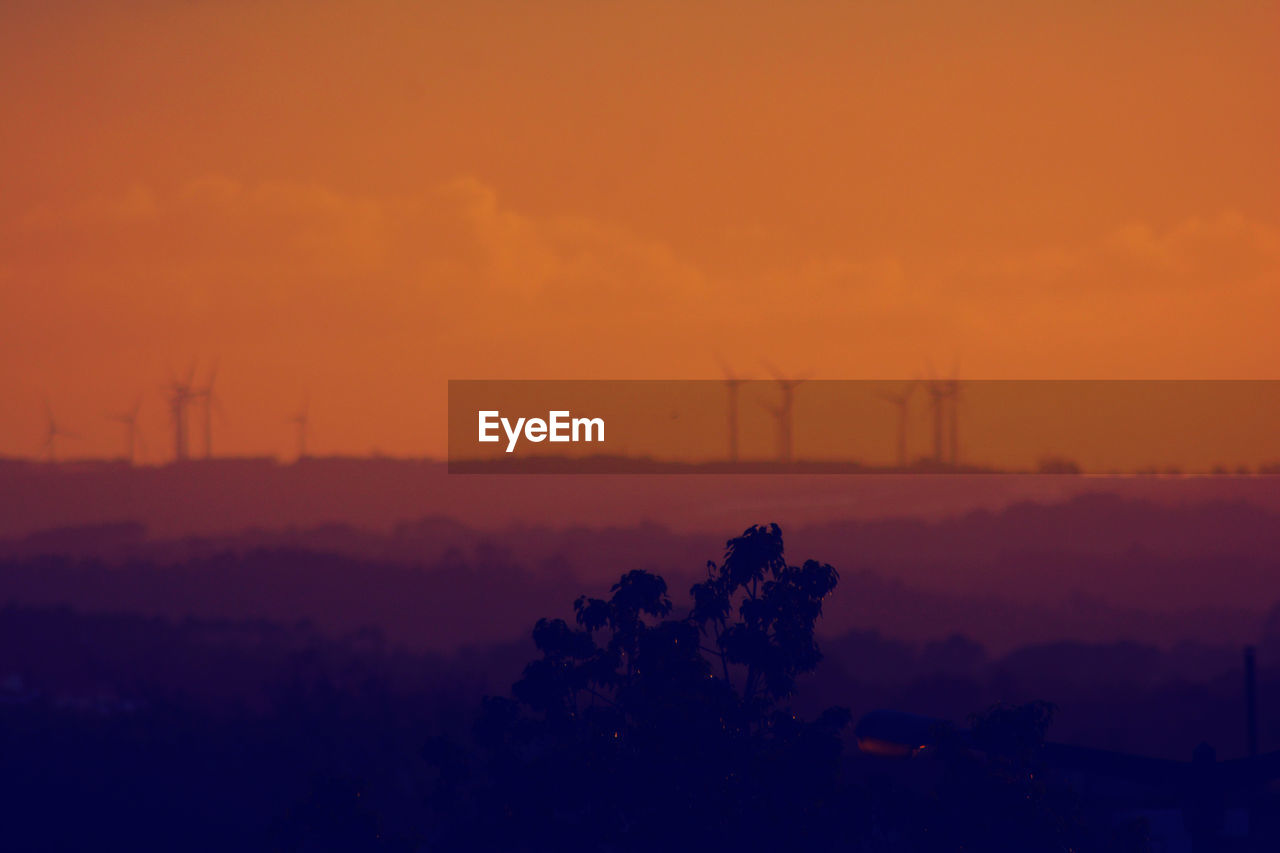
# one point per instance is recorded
(953, 413)
(938, 391)
(732, 385)
(783, 412)
(208, 402)
(180, 396)
(944, 400)
(130, 421)
(302, 420)
(902, 400)
(52, 432)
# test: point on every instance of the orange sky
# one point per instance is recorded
(360, 200)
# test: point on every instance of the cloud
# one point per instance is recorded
(462, 282)
(212, 225)
(571, 263)
(137, 204)
(262, 237)
(1226, 252)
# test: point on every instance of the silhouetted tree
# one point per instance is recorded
(635, 729)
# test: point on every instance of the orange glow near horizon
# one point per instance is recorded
(355, 202)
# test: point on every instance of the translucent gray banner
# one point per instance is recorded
(934, 426)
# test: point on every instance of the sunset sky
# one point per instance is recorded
(357, 201)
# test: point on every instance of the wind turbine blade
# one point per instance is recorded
(726, 370)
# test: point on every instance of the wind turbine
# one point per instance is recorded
(903, 402)
(945, 402)
(52, 432)
(180, 396)
(130, 421)
(208, 402)
(783, 412)
(938, 390)
(732, 384)
(302, 420)
(953, 398)
(952, 388)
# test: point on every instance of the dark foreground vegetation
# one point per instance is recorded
(638, 729)
(646, 719)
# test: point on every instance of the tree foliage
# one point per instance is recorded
(641, 726)
(637, 725)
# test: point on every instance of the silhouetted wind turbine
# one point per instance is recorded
(903, 401)
(783, 412)
(180, 396)
(953, 400)
(302, 420)
(945, 401)
(938, 390)
(52, 432)
(130, 421)
(208, 402)
(732, 383)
